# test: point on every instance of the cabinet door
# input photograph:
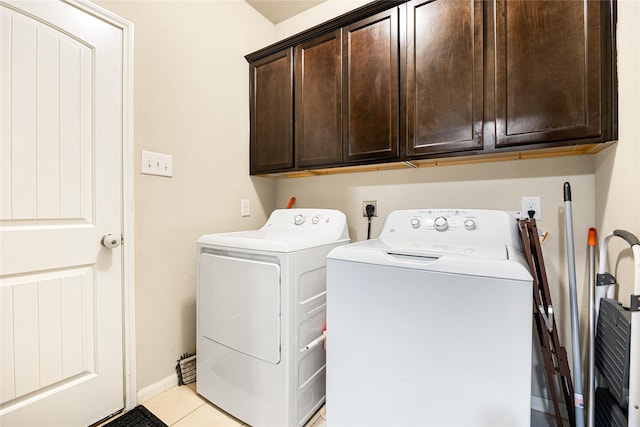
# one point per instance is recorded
(318, 95)
(444, 76)
(370, 75)
(271, 97)
(549, 72)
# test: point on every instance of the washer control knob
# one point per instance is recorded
(415, 223)
(440, 223)
(298, 219)
(315, 219)
(470, 224)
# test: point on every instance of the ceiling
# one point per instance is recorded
(279, 10)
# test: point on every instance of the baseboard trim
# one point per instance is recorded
(537, 403)
(157, 388)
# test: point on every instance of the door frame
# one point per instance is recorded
(128, 271)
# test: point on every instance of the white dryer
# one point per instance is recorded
(430, 324)
(261, 301)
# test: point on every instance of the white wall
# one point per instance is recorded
(191, 101)
(618, 168)
(316, 15)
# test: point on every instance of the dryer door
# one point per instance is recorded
(240, 305)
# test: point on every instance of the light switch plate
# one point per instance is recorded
(156, 164)
(245, 207)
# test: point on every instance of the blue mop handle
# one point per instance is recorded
(578, 397)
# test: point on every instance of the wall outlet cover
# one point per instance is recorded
(531, 203)
(370, 202)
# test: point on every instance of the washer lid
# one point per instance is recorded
(489, 260)
(288, 230)
(437, 249)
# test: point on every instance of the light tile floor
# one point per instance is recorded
(181, 406)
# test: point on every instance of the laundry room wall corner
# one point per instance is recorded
(191, 102)
(617, 172)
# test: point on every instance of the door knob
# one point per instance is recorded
(110, 241)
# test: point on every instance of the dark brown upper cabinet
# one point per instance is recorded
(271, 112)
(399, 80)
(553, 72)
(444, 76)
(370, 52)
(318, 101)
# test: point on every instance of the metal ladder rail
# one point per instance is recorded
(554, 355)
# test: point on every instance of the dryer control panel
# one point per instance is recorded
(307, 222)
(287, 230)
(296, 218)
(462, 225)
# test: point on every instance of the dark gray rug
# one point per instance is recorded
(137, 417)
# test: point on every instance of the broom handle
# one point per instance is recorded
(591, 400)
(578, 397)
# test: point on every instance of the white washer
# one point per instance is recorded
(430, 324)
(261, 300)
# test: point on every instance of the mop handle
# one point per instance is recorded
(567, 192)
(591, 390)
(578, 397)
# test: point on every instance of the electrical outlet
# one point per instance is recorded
(531, 204)
(370, 202)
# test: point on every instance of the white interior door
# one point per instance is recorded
(60, 191)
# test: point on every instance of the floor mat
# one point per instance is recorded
(137, 417)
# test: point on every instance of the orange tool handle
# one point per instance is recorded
(592, 237)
